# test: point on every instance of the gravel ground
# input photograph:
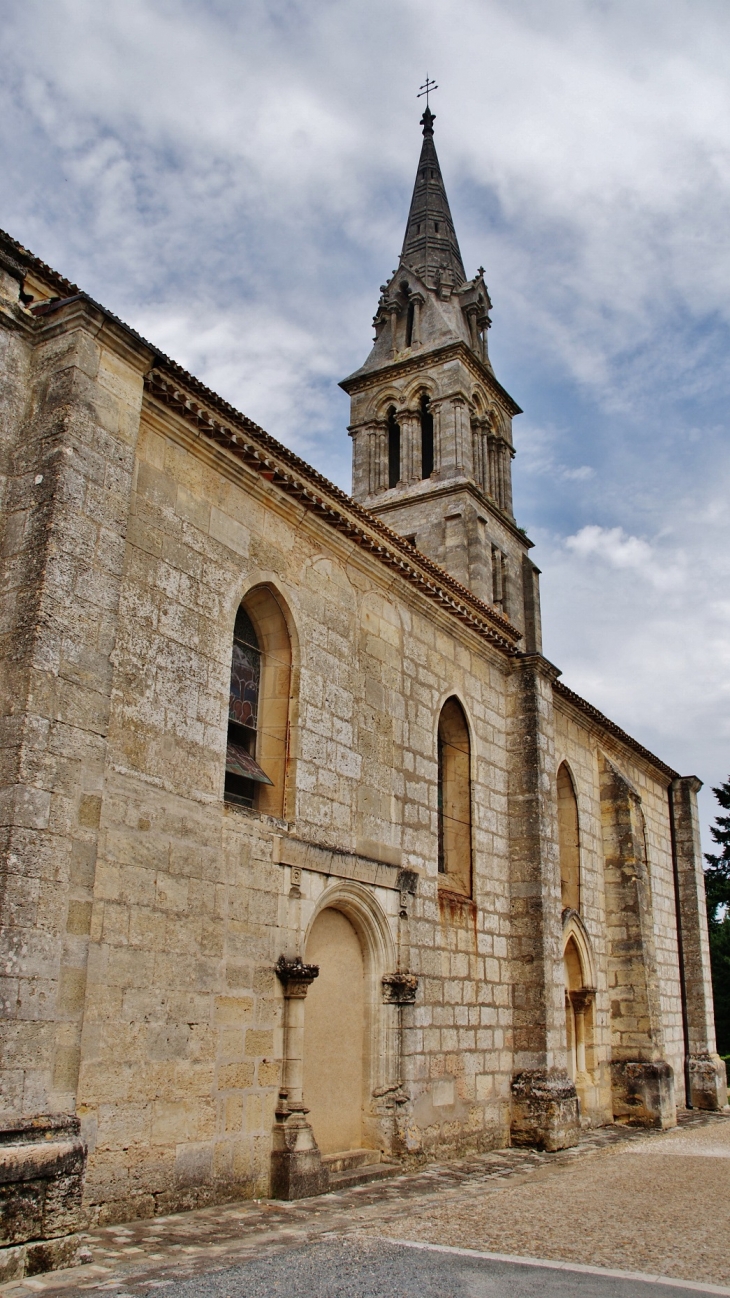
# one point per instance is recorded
(381, 1270)
(623, 1199)
(660, 1205)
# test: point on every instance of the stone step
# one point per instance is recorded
(347, 1159)
(363, 1174)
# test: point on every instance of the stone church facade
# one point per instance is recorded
(309, 859)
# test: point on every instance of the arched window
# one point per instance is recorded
(569, 840)
(454, 798)
(393, 449)
(258, 705)
(426, 437)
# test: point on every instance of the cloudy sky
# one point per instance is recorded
(232, 177)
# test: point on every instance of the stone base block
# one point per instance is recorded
(42, 1167)
(297, 1170)
(41, 1255)
(643, 1093)
(708, 1082)
(544, 1110)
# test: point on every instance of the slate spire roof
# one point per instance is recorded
(430, 246)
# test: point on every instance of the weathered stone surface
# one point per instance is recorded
(643, 1093)
(708, 1082)
(544, 1110)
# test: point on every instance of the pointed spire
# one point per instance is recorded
(430, 246)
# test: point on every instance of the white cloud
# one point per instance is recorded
(613, 547)
(233, 176)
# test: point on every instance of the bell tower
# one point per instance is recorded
(431, 426)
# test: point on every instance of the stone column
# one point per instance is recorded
(462, 438)
(417, 301)
(544, 1099)
(581, 1001)
(399, 991)
(296, 1163)
(508, 458)
(492, 488)
(410, 444)
(706, 1070)
(437, 412)
(393, 310)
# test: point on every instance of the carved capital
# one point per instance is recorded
(582, 999)
(399, 988)
(295, 976)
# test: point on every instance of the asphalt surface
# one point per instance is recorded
(376, 1269)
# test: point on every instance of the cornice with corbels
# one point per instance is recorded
(273, 462)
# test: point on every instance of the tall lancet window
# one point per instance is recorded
(393, 449)
(426, 437)
(569, 840)
(243, 773)
(454, 799)
(410, 316)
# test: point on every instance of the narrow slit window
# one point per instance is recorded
(393, 449)
(409, 323)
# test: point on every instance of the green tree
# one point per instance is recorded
(717, 887)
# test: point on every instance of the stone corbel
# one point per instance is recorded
(399, 988)
(295, 976)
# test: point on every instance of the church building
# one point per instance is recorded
(312, 868)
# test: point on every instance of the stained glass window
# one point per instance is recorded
(243, 772)
(243, 702)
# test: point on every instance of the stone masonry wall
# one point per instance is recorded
(182, 1027)
(143, 916)
(581, 746)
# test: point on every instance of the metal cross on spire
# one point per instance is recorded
(426, 89)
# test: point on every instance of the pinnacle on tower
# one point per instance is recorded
(430, 245)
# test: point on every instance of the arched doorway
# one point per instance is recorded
(334, 1034)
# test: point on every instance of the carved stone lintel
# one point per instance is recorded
(295, 976)
(399, 988)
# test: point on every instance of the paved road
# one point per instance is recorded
(375, 1269)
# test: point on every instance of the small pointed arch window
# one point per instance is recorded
(426, 436)
(393, 449)
(569, 840)
(454, 799)
(258, 705)
(410, 317)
